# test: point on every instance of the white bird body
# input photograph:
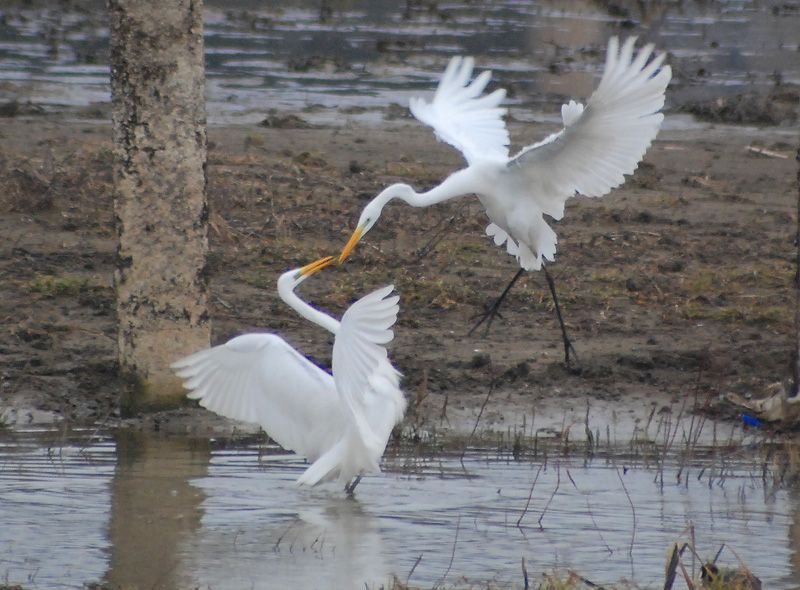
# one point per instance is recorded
(598, 145)
(340, 422)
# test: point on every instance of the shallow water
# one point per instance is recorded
(360, 56)
(138, 511)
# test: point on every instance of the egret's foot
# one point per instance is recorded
(565, 338)
(490, 312)
(350, 488)
(493, 310)
(567, 349)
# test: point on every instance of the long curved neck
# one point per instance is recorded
(290, 298)
(457, 184)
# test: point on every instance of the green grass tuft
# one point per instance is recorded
(50, 286)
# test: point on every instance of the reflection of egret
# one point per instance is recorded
(598, 145)
(324, 542)
(348, 535)
(340, 422)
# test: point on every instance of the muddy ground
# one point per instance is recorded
(678, 286)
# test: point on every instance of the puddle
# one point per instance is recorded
(49, 500)
(351, 60)
(137, 511)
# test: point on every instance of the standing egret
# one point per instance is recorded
(340, 422)
(599, 144)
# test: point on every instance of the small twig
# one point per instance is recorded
(276, 546)
(694, 544)
(443, 415)
(530, 495)
(677, 425)
(585, 581)
(524, 573)
(615, 235)
(413, 567)
(223, 303)
(452, 554)
(553, 495)
(692, 437)
(588, 431)
(480, 413)
(765, 152)
(716, 557)
(739, 559)
(672, 566)
(633, 510)
(686, 577)
(440, 229)
(591, 514)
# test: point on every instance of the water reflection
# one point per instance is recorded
(136, 511)
(334, 543)
(360, 56)
(54, 500)
(154, 508)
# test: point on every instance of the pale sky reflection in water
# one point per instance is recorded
(369, 54)
(175, 513)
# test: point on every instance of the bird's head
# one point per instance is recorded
(372, 212)
(294, 277)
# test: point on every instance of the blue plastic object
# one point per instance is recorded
(749, 420)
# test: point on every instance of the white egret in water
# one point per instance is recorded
(340, 422)
(599, 144)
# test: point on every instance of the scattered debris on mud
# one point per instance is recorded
(779, 106)
(677, 284)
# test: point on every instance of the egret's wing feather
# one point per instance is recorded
(460, 116)
(604, 141)
(348, 458)
(260, 378)
(363, 372)
(358, 351)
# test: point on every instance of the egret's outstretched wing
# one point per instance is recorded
(260, 378)
(359, 351)
(462, 117)
(603, 141)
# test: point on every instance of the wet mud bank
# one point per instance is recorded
(676, 288)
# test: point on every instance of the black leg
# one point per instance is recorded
(494, 308)
(567, 342)
(350, 488)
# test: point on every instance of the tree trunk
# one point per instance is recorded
(157, 88)
(796, 385)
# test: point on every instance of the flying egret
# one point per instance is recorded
(340, 422)
(599, 144)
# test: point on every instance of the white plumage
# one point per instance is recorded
(461, 117)
(599, 144)
(340, 422)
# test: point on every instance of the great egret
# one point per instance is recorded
(340, 422)
(598, 145)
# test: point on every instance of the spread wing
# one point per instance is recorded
(602, 142)
(260, 378)
(359, 353)
(462, 117)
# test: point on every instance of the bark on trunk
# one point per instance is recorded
(796, 385)
(157, 86)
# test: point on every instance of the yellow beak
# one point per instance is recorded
(310, 269)
(351, 243)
